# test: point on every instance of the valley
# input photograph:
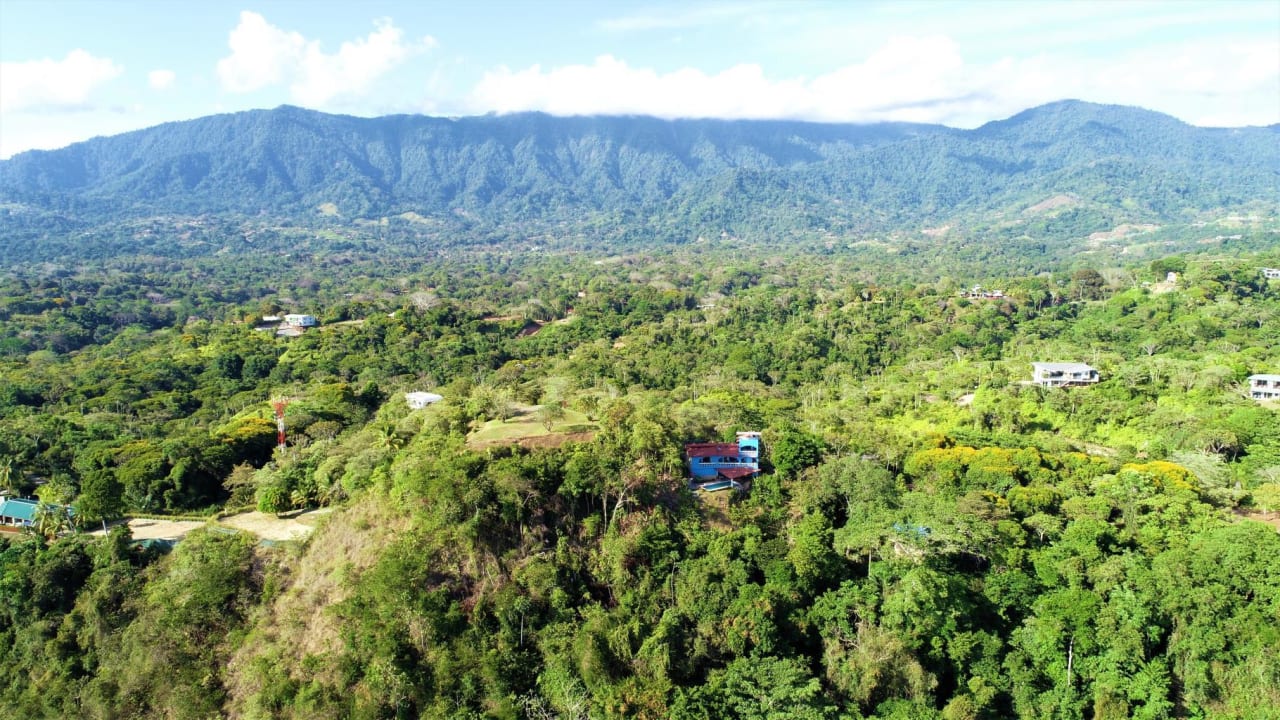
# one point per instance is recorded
(1054, 499)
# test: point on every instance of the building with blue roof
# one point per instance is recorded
(18, 511)
(23, 512)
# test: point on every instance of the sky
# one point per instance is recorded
(74, 69)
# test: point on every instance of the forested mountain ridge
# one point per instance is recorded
(1136, 165)
(932, 536)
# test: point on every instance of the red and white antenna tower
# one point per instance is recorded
(280, 404)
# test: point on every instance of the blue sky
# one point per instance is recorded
(73, 69)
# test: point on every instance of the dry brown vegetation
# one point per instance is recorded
(1269, 518)
(319, 575)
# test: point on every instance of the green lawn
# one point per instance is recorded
(524, 425)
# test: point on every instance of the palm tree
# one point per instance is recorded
(389, 437)
(8, 485)
(299, 499)
(52, 520)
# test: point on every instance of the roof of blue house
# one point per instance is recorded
(710, 449)
(19, 509)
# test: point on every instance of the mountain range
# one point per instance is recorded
(1107, 164)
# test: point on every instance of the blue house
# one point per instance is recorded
(719, 466)
(21, 512)
(17, 511)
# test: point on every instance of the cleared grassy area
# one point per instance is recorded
(525, 426)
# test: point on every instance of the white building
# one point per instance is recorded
(1271, 273)
(1054, 374)
(1264, 387)
(419, 400)
(297, 320)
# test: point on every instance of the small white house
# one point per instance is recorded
(419, 400)
(1271, 273)
(1054, 374)
(1264, 387)
(297, 320)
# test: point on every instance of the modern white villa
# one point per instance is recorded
(1060, 374)
(299, 320)
(1264, 387)
(419, 400)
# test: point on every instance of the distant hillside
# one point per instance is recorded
(1112, 163)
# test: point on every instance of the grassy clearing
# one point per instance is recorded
(525, 426)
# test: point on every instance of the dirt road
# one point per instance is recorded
(265, 526)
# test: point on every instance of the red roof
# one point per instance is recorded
(735, 473)
(710, 449)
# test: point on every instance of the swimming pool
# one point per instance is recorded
(718, 485)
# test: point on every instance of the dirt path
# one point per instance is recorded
(1272, 519)
(159, 529)
(265, 526)
(270, 527)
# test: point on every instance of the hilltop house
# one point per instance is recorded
(1271, 273)
(720, 466)
(977, 293)
(1054, 374)
(300, 321)
(1264, 387)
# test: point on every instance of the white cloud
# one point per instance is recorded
(907, 79)
(161, 79)
(47, 85)
(912, 79)
(354, 67)
(263, 55)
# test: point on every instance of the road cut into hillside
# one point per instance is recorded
(264, 525)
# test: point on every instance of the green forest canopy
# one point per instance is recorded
(933, 537)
